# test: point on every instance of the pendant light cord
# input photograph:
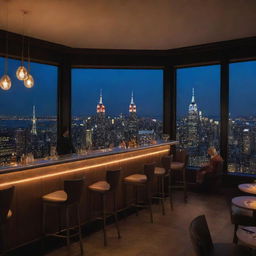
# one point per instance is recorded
(6, 42)
(28, 56)
(28, 47)
(22, 48)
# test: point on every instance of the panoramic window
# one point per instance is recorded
(198, 111)
(28, 116)
(116, 108)
(242, 120)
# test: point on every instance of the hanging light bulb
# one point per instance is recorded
(29, 81)
(5, 82)
(22, 72)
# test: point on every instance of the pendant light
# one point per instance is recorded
(5, 81)
(29, 81)
(22, 72)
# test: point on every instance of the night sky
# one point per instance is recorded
(19, 100)
(206, 82)
(117, 85)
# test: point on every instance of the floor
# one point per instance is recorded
(167, 236)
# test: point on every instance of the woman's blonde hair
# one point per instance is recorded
(212, 151)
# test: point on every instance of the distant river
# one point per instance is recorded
(15, 124)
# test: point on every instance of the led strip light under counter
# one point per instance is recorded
(125, 159)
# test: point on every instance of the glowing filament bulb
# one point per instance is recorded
(5, 82)
(22, 73)
(29, 81)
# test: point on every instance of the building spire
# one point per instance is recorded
(33, 130)
(100, 106)
(100, 102)
(193, 96)
(132, 107)
(132, 101)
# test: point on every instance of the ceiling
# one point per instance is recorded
(131, 24)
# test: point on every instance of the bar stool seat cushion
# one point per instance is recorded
(159, 171)
(177, 165)
(239, 211)
(58, 196)
(100, 186)
(136, 178)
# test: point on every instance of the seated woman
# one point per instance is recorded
(209, 167)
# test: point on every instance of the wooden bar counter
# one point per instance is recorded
(35, 180)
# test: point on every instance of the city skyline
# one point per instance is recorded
(117, 85)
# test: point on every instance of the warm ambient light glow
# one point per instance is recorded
(84, 168)
(22, 73)
(5, 82)
(29, 81)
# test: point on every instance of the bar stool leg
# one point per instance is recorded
(136, 200)
(67, 226)
(162, 194)
(79, 230)
(125, 199)
(235, 239)
(185, 185)
(170, 191)
(104, 218)
(43, 227)
(3, 240)
(59, 218)
(115, 215)
(149, 202)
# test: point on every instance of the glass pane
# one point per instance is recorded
(116, 108)
(242, 121)
(198, 111)
(28, 116)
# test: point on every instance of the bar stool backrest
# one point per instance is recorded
(149, 170)
(74, 189)
(166, 162)
(181, 156)
(113, 178)
(200, 236)
(6, 197)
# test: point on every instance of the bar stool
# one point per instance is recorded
(144, 181)
(161, 173)
(6, 197)
(65, 199)
(178, 165)
(108, 187)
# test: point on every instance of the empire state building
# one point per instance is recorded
(193, 122)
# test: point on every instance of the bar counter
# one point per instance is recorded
(34, 180)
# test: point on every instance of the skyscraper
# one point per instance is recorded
(193, 122)
(33, 130)
(100, 107)
(132, 120)
(100, 127)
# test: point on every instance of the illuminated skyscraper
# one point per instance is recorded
(132, 107)
(246, 141)
(100, 106)
(99, 140)
(33, 130)
(193, 122)
(88, 139)
(132, 120)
